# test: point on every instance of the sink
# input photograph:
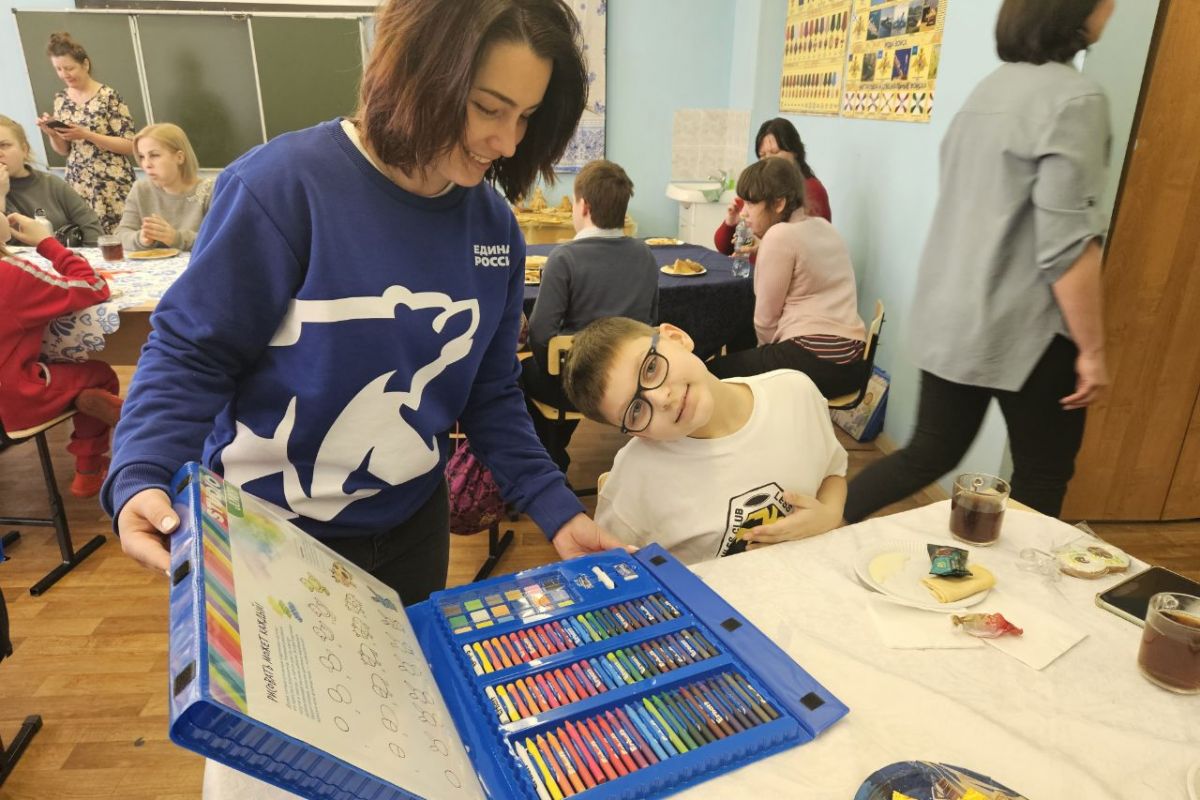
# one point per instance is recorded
(695, 191)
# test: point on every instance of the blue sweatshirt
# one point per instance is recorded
(327, 334)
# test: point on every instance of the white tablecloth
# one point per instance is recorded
(1088, 726)
(134, 283)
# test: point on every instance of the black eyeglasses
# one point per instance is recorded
(651, 375)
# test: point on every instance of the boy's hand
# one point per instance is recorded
(28, 231)
(809, 517)
(143, 525)
(581, 536)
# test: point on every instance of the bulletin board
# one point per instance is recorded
(813, 55)
(892, 63)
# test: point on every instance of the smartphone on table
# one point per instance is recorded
(1130, 598)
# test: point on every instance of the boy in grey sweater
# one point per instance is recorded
(600, 273)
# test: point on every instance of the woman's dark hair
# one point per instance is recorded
(61, 44)
(788, 138)
(413, 101)
(1041, 31)
(771, 179)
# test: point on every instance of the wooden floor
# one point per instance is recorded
(91, 654)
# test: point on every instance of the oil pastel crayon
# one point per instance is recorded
(522, 638)
(547, 778)
(599, 676)
(647, 611)
(639, 737)
(611, 659)
(597, 751)
(587, 624)
(538, 645)
(681, 727)
(689, 703)
(533, 697)
(533, 773)
(482, 656)
(632, 616)
(722, 709)
(692, 652)
(475, 665)
(496, 705)
(619, 616)
(659, 608)
(507, 643)
(697, 634)
(650, 736)
(671, 609)
(739, 689)
(566, 684)
(695, 726)
(515, 696)
(681, 655)
(741, 712)
(613, 760)
(672, 734)
(612, 726)
(546, 682)
(582, 681)
(509, 707)
(711, 715)
(567, 762)
(613, 673)
(644, 665)
(653, 655)
(544, 637)
(563, 692)
(598, 626)
(588, 758)
(560, 640)
(548, 756)
(754, 695)
(611, 620)
(617, 745)
(494, 646)
(669, 653)
(580, 630)
(624, 661)
(689, 637)
(568, 631)
(662, 734)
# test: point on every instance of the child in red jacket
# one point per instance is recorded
(32, 391)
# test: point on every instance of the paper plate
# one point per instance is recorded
(668, 271)
(535, 262)
(899, 567)
(151, 255)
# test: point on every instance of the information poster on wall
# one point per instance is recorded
(892, 62)
(813, 56)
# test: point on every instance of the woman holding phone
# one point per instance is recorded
(92, 127)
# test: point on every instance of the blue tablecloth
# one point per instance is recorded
(715, 308)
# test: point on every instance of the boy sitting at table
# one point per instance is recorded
(600, 273)
(31, 391)
(714, 465)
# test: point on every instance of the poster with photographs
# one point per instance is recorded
(892, 62)
(813, 51)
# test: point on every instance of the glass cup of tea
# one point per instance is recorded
(1170, 653)
(977, 507)
(111, 247)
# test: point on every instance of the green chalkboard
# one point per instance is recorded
(109, 44)
(230, 80)
(298, 89)
(203, 81)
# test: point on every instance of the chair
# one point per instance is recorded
(32, 724)
(556, 362)
(58, 514)
(848, 401)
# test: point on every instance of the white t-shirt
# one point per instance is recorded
(692, 496)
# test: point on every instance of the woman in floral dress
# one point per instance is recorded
(98, 137)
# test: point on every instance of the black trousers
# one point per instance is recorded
(832, 379)
(1043, 437)
(413, 557)
(555, 436)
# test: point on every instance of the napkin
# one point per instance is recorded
(1046, 637)
(948, 590)
(904, 628)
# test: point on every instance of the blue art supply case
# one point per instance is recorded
(222, 704)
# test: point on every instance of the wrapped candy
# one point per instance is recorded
(985, 626)
(947, 562)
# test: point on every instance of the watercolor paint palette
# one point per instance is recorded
(606, 676)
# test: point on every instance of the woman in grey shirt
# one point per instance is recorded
(165, 208)
(1008, 299)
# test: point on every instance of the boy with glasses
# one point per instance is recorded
(714, 465)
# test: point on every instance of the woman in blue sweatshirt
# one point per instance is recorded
(356, 289)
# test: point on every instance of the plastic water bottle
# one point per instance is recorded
(742, 237)
(39, 216)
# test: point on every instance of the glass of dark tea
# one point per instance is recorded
(1170, 653)
(111, 248)
(977, 507)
